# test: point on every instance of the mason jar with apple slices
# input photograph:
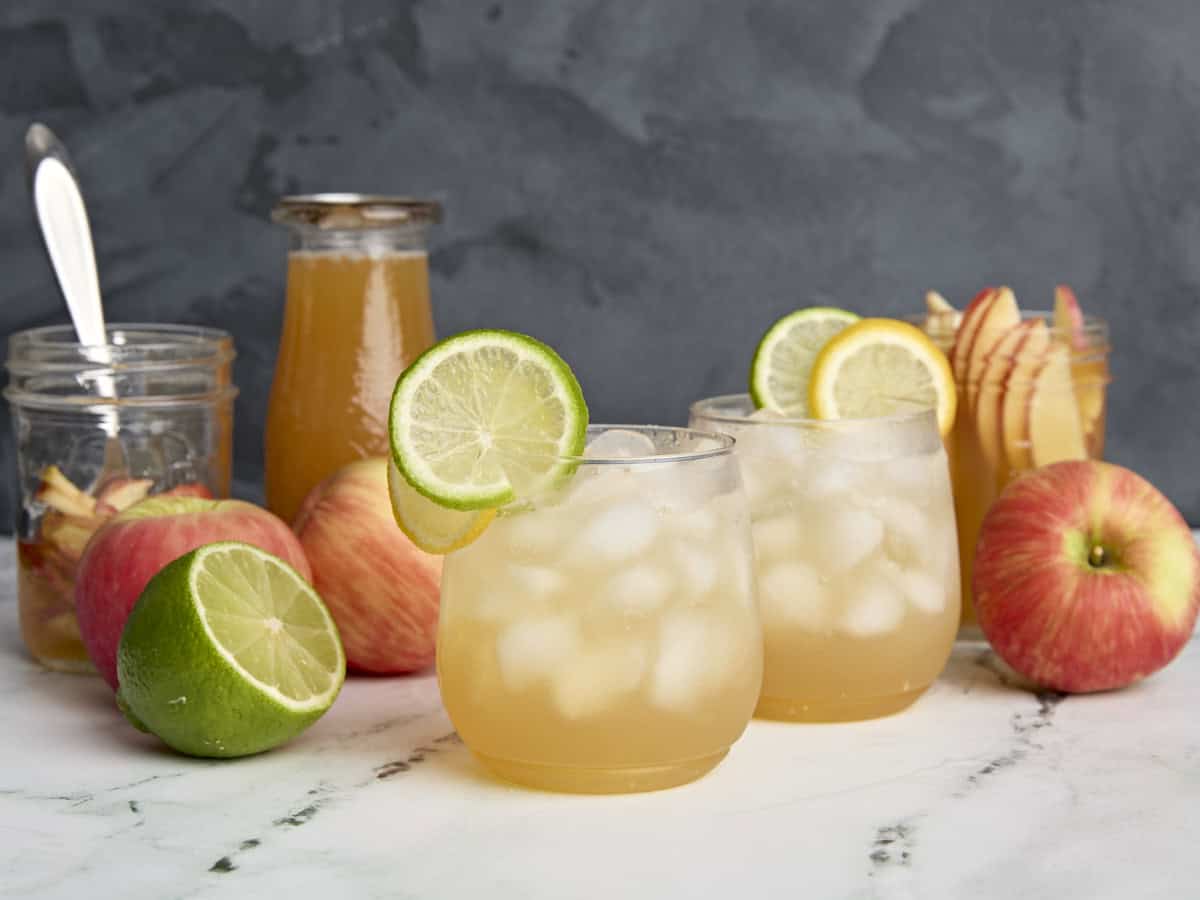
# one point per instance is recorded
(1031, 391)
(97, 429)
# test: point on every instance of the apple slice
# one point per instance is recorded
(941, 318)
(1055, 432)
(69, 534)
(1018, 388)
(1089, 372)
(1068, 317)
(992, 389)
(996, 319)
(967, 329)
(58, 492)
(119, 493)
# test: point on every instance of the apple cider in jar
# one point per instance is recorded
(1031, 391)
(357, 314)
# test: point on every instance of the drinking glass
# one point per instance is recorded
(603, 636)
(856, 558)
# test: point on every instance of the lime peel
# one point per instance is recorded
(211, 644)
(484, 415)
(783, 360)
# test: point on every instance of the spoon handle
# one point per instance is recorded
(68, 237)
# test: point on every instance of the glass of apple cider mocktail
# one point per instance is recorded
(856, 559)
(602, 636)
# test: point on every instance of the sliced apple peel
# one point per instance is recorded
(995, 320)
(1055, 432)
(58, 492)
(1028, 359)
(990, 394)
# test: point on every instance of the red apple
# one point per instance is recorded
(382, 590)
(132, 546)
(1086, 577)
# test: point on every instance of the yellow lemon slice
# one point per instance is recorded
(433, 528)
(881, 367)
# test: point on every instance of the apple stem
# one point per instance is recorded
(1097, 557)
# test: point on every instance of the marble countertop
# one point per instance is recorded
(980, 790)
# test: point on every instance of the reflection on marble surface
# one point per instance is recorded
(980, 790)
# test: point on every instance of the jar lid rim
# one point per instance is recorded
(350, 210)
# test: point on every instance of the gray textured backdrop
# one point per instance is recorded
(644, 185)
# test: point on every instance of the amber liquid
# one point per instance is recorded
(978, 478)
(46, 595)
(352, 322)
(560, 676)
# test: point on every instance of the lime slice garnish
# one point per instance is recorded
(882, 367)
(433, 528)
(783, 361)
(485, 416)
(228, 651)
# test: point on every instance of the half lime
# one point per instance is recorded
(228, 652)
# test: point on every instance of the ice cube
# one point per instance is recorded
(619, 443)
(876, 606)
(906, 529)
(741, 567)
(639, 590)
(698, 524)
(593, 485)
(694, 655)
(828, 476)
(595, 680)
(616, 533)
(917, 477)
(773, 439)
(671, 487)
(778, 537)
(765, 484)
(765, 415)
(922, 590)
(530, 651)
(519, 590)
(535, 581)
(536, 533)
(697, 568)
(791, 595)
(837, 538)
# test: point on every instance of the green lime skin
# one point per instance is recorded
(176, 684)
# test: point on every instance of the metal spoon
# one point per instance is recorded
(62, 216)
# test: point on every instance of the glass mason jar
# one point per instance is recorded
(357, 313)
(1040, 398)
(603, 637)
(856, 557)
(98, 428)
